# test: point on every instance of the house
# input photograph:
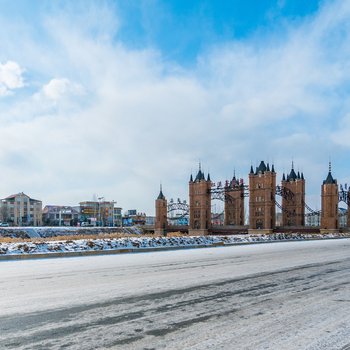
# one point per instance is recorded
(59, 215)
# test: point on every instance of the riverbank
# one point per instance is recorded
(77, 247)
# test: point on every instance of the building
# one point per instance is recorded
(234, 202)
(161, 214)
(313, 219)
(329, 204)
(343, 217)
(132, 217)
(262, 190)
(21, 210)
(117, 216)
(89, 213)
(293, 199)
(98, 213)
(218, 219)
(278, 219)
(59, 215)
(179, 219)
(262, 187)
(200, 204)
(150, 220)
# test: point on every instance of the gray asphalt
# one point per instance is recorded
(277, 296)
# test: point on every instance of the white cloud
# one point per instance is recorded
(133, 120)
(56, 89)
(61, 88)
(10, 77)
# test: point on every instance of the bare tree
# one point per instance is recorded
(4, 213)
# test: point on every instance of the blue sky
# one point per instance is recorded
(113, 97)
(181, 30)
(184, 29)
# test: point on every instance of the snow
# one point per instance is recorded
(262, 296)
(103, 244)
(56, 231)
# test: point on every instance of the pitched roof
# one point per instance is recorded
(292, 176)
(21, 194)
(329, 179)
(262, 168)
(161, 195)
(200, 175)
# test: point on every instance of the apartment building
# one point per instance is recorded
(21, 210)
(101, 213)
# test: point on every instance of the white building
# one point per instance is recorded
(21, 210)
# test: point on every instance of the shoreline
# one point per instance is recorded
(129, 250)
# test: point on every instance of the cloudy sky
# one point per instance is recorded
(110, 98)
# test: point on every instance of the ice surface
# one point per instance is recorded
(293, 295)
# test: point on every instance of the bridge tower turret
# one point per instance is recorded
(234, 202)
(262, 210)
(329, 204)
(200, 204)
(348, 203)
(293, 208)
(161, 222)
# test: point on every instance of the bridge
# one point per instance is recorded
(262, 192)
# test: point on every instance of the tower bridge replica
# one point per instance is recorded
(261, 192)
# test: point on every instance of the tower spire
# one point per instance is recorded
(161, 195)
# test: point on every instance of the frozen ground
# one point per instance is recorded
(293, 295)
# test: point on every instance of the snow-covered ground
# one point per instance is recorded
(57, 231)
(271, 296)
(71, 245)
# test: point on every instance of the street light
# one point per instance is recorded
(99, 208)
(113, 202)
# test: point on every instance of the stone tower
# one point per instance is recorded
(293, 200)
(262, 187)
(348, 203)
(161, 214)
(234, 202)
(200, 204)
(329, 205)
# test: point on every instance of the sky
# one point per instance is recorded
(111, 98)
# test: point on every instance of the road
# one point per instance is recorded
(293, 295)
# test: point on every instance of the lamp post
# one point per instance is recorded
(99, 210)
(112, 207)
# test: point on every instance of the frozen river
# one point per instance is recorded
(293, 295)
